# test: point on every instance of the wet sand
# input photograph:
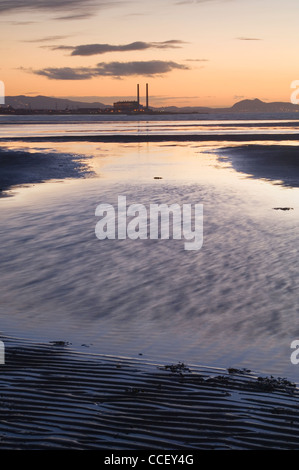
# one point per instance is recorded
(271, 162)
(158, 138)
(21, 167)
(53, 397)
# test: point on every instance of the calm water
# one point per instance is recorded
(33, 126)
(232, 303)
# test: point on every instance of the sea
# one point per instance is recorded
(231, 303)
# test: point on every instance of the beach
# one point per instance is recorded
(149, 255)
(140, 344)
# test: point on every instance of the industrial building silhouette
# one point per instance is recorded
(132, 106)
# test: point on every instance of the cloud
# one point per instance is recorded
(111, 69)
(58, 48)
(135, 14)
(197, 60)
(19, 23)
(248, 39)
(74, 16)
(95, 49)
(64, 6)
(190, 2)
(67, 73)
(171, 98)
(47, 39)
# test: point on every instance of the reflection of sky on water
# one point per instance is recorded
(233, 303)
(31, 126)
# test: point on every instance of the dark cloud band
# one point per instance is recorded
(73, 9)
(95, 49)
(112, 69)
(248, 39)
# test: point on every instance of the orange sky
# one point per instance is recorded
(197, 52)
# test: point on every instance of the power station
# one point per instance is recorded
(132, 106)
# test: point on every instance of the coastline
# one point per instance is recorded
(158, 138)
(21, 167)
(276, 162)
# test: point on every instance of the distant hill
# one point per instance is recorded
(47, 103)
(258, 106)
(244, 106)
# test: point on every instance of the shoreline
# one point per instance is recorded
(53, 397)
(158, 138)
(20, 167)
(276, 162)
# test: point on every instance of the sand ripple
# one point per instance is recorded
(53, 397)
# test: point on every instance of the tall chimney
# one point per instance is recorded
(138, 99)
(147, 95)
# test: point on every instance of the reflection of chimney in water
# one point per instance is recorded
(138, 99)
(147, 95)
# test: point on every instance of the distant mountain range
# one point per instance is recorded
(244, 106)
(47, 103)
(60, 104)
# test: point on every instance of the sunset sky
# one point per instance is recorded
(191, 52)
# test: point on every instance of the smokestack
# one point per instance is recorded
(147, 95)
(138, 99)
